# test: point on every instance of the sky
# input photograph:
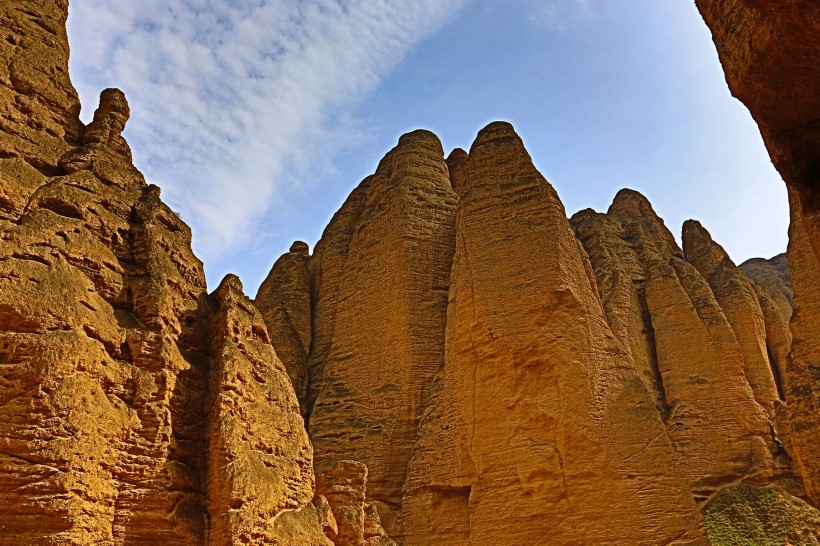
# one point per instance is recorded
(258, 117)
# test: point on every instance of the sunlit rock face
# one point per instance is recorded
(135, 408)
(770, 55)
(457, 362)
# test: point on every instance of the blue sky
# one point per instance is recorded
(258, 117)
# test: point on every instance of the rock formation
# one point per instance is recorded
(134, 407)
(667, 315)
(284, 300)
(457, 362)
(770, 56)
(774, 278)
(545, 424)
(388, 322)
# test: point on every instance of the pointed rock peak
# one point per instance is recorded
(455, 165)
(631, 203)
(696, 234)
(495, 136)
(230, 284)
(109, 122)
(584, 214)
(701, 250)
(300, 247)
(421, 137)
(457, 158)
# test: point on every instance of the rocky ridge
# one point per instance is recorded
(456, 363)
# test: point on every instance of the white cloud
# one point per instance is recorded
(230, 98)
(561, 14)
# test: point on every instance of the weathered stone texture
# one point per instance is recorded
(99, 305)
(525, 437)
(284, 301)
(106, 335)
(666, 315)
(39, 108)
(344, 484)
(770, 55)
(737, 298)
(472, 367)
(388, 318)
(775, 278)
(260, 461)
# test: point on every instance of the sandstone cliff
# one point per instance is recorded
(134, 407)
(456, 363)
(770, 56)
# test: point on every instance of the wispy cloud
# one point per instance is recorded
(229, 98)
(561, 14)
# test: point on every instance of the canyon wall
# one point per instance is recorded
(771, 59)
(135, 408)
(457, 362)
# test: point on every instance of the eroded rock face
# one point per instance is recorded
(775, 278)
(39, 108)
(284, 301)
(390, 291)
(470, 371)
(770, 56)
(259, 457)
(737, 298)
(525, 437)
(668, 317)
(125, 410)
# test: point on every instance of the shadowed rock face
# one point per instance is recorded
(472, 367)
(770, 55)
(284, 301)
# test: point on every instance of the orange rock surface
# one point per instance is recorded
(388, 319)
(134, 408)
(668, 315)
(540, 428)
(284, 300)
(770, 55)
(457, 362)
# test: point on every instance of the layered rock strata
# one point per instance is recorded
(771, 59)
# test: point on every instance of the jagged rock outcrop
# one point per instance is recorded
(773, 286)
(525, 438)
(39, 108)
(101, 434)
(471, 367)
(774, 278)
(134, 408)
(769, 53)
(737, 298)
(284, 301)
(260, 463)
(667, 315)
(345, 486)
(390, 303)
